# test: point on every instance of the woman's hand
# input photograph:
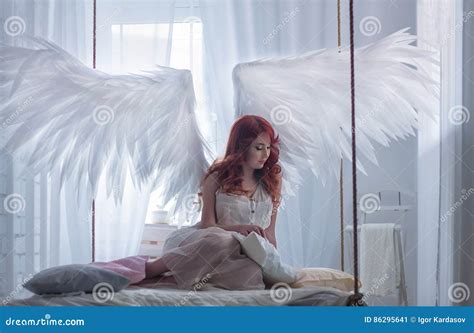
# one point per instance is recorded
(246, 229)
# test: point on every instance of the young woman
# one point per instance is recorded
(240, 194)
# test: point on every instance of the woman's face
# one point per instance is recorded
(258, 152)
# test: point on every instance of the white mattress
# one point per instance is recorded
(164, 296)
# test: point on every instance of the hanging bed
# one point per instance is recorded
(150, 295)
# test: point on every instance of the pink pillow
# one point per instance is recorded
(131, 267)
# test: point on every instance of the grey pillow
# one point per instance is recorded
(73, 278)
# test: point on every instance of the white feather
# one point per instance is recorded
(307, 99)
(54, 112)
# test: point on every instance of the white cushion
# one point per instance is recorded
(324, 277)
(266, 256)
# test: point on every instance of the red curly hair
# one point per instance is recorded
(229, 169)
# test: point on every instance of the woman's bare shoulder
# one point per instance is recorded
(211, 183)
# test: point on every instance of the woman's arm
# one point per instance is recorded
(270, 231)
(209, 188)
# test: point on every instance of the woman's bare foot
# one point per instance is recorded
(155, 268)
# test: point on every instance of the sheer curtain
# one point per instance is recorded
(130, 38)
(51, 227)
(133, 36)
(445, 173)
(56, 224)
(465, 231)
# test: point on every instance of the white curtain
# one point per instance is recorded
(440, 157)
(69, 25)
(59, 225)
(53, 228)
(134, 36)
(130, 37)
(464, 232)
(119, 227)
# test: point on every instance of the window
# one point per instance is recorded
(137, 47)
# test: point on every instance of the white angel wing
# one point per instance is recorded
(307, 99)
(60, 113)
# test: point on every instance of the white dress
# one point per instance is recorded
(212, 255)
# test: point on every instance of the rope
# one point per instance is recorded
(341, 213)
(341, 181)
(94, 44)
(93, 230)
(339, 26)
(354, 165)
(94, 32)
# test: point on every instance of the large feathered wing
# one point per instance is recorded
(307, 99)
(59, 113)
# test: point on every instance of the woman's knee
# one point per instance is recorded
(219, 239)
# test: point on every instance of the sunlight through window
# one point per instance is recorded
(138, 47)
